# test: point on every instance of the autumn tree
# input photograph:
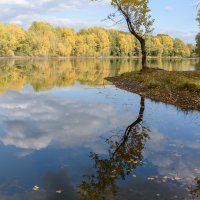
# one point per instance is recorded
(180, 48)
(3, 41)
(114, 42)
(126, 44)
(156, 47)
(198, 36)
(136, 14)
(192, 49)
(66, 41)
(198, 44)
(101, 39)
(43, 39)
(168, 44)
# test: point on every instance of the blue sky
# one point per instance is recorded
(174, 17)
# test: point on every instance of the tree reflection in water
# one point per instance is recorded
(124, 155)
(195, 192)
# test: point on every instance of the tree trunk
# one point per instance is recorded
(144, 54)
(139, 38)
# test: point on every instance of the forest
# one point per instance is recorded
(43, 39)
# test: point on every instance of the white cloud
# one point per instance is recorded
(173, 156)
(34, 121)
(24, 12)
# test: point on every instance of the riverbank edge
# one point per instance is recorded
(186, 99)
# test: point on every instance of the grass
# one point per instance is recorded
(174, 87)
(165, 81)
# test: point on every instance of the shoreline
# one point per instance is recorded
(187, 97)
(87, 57)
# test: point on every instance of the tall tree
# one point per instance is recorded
(136, 14)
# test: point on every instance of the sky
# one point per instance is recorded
(173, 17)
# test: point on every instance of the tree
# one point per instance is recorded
(198, 36)
(191, 48)
(198, 44)
(80, 46)
(126, 44)
(168, 44)
(156, 47)
(180, 48)
(198, 16)
(42, 39)
(101, 38)
(114, 43)
(67, 39)
(136, 14)
(3, 40)
(15, 36)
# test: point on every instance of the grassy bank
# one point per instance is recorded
(178, 88)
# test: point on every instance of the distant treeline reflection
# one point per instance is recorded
(46, 74)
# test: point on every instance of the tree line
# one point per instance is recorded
(43, 39)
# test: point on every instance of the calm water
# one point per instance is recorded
(66, 130)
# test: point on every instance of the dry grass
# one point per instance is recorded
(165, 80)
(178, 88)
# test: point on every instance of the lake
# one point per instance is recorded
(66, 133)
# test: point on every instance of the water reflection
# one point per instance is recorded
(124, 155)
(33, 122)
(195, 191)
(46, 136)
(55, 185)
(46, 74)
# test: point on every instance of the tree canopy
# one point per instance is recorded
(42, 39)
(136, 14)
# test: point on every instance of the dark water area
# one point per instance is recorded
(66, 133)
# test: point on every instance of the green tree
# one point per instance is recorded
(157, 47)
(126, 44)
(198, 36)
(198, 44)
(180, 48)
(191, 48)
(168, 44)
(114, 43)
